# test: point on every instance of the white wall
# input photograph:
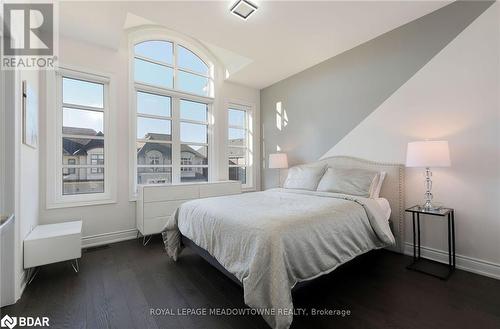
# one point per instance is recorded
(454, 97)
(20, 169)
(106, 223)
(29, 170)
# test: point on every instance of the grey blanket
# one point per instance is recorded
(273, 239)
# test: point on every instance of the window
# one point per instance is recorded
(82, 136)
(194, 141)
(71, 170)
(154, 138)
(240, 144)
(97, 159)
(79, 142)
(172, 87)
(169, 65)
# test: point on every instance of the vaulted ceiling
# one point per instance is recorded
(282, 38)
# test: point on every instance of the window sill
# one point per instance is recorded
(73, 204)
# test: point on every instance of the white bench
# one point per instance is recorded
(53, 243)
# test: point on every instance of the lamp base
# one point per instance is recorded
(429, 207)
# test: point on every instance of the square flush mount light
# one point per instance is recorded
(243, 8)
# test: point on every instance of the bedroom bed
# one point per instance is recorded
(269, 241)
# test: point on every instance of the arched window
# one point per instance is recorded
(174, 92)
(169, 65)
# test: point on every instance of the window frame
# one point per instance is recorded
(175, 67)
(175, 95)
(249, 146)
(143, 140)
(55, 196)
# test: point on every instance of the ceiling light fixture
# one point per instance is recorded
(243, 9)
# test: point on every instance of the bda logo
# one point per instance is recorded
(24, 321)
(9, 322)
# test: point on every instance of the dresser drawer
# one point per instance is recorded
(170, 193)
(154, 225)
(159, 209)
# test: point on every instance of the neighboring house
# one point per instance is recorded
(237, 157)
(150, 153)
(88, 151)
(83, 151)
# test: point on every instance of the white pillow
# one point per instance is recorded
(358, 182)
(377, 185)
(304, 177)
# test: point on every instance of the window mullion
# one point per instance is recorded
(82, 107)
(174, 61)
(196, 122)
(176, 146)
(246, 147)
(153, 116)
(149, 60)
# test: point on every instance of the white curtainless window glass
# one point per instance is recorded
(194, 141)
(80, 139)
(239, 148)
(82, 147)
(169, 65)
(173, 98)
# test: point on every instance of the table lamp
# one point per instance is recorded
(278, 161)
(427, 154)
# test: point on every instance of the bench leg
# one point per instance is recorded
(75, 265)
(32, 272)
(146, 241)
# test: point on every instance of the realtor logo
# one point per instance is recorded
(29, 29)
(28, 40)
(8, 322)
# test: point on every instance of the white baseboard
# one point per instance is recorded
(106, 238)
(465, 263)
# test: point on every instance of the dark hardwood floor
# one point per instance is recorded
(119, 284)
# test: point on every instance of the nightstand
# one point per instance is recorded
(425, 265)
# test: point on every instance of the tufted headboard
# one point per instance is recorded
(392, 189)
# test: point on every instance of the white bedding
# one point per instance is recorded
(385, 207)
(273, 239)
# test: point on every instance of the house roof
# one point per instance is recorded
(163, 147)
(80, 146)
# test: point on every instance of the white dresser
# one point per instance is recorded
(157, 203)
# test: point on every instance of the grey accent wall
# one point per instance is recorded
(320, 105)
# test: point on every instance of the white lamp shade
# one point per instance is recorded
(278, 161)
(428, 154)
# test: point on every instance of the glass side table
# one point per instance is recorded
(424, 265)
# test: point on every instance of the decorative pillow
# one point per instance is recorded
(304, 177)
(377, 185)
(356, 182)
